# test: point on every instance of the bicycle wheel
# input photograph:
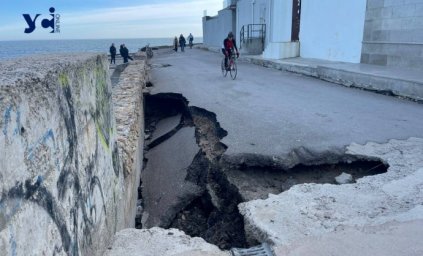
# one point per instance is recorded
(224, 71)
(233, 69)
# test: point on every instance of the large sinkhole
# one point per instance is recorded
(185, 185)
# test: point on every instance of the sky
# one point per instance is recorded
(97, 19)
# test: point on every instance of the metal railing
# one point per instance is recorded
(252, 31)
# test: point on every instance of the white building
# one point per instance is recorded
(384, 32)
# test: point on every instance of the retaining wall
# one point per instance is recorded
(65, 186)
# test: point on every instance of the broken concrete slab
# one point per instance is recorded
(158, 241)
(344, 178)
(395, 238)
(165, 190)
(165, 126)
(312, 210)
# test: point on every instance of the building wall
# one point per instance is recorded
(279, 45)
(64, 186)
(216, 28)
(332, 29)
(227, 3)
(393, 33)
(281, 21)
(249, 13)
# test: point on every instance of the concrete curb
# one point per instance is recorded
(407, 88)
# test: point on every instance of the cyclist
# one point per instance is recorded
(229, 45)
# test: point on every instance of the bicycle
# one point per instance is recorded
(231, 66)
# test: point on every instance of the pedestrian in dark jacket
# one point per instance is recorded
(182, 42)
(121, 51)
(125, 53)
(175, 44)
(190, 39)
(113, 54)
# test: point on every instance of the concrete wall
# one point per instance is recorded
(228, 3)
(279, 45)
(332, 29)
(63, 186)
(216, 28)
(393, 33)
(248, 13)
(280, 21)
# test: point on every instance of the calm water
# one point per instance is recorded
(14, 49)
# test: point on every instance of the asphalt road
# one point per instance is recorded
(280, 114)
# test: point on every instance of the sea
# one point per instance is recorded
(15, 49)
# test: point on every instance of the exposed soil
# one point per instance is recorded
(259, 182)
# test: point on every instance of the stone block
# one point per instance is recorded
(387, 12)
(364, 58)
(163, 242)
(375, 4)
(378, 59)
(344, 178)
(418, 10)
(417, 35)
(380, 35)
(372, 14)
(391, 24)
(409, 2)
(401, 36)
(403, 11)
(388, 3)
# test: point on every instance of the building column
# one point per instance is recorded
(280, 45)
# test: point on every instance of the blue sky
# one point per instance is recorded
(92, 19)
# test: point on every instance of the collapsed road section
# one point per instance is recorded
(187, 185)
(182, 185)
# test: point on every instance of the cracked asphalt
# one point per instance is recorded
(272, 113)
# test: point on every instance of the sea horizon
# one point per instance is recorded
(70, 39)
(11, 49)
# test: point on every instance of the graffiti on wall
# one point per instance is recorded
(76, 205)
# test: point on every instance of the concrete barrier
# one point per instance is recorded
(64, 188)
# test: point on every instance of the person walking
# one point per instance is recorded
(124, 52)
(127, 52)
(112, 54)
(182, 42)
(190, 39)
(175, 44)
